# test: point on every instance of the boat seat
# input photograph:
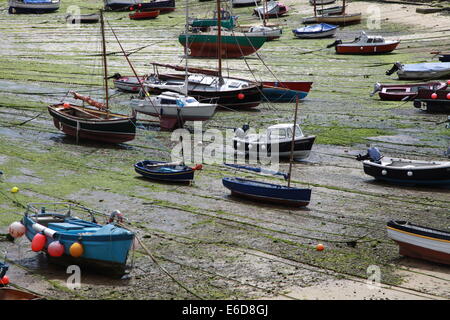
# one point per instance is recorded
(64, 226)
(48, 219)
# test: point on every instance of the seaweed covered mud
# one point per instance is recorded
(212, 245)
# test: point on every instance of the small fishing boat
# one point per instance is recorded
(267, 192)
(163, 6)
(128, 83)
(421, 71)
(364, 44)
(233, 44)
(174, 109)
(420, 242)
(120, 5)
(271, 33)
(83, 18)
(58, 230)
(227, 21)
(404, 171)
(276, 141)
(333, 16)
(144, 15)
(33, 6)
(433, 100)
(321, 30)
(273, 9)
(166, 171)
(321, 2)
(285, 91)
(244, 3)
(410, 91)
(7, 293)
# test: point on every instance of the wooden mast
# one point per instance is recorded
(219, 40)
(315, 9)
(105, 68)
(292, 143)
(343, 7)
(186, 31)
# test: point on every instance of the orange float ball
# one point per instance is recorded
(4, 281)
(320, 247)
(76, 250)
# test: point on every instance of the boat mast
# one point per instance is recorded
(187, 48)
(343, 7)
(105, 69)
(315, 9)
(292, 143)
(264, 12)
(219, 41)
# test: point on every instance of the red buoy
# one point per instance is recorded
(55, 249)
(434, 95)
(448, 96)
(241, 96)
(38, 242)
(4, 281)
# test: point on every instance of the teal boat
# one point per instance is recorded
(227, 21)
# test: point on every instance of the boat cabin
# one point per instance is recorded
(175, 99)
(364, 38)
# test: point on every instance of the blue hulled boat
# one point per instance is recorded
(321, 30)
(268, 192)
(165, 171)
(105, 246)
(285, 91)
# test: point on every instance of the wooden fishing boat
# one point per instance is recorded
(120, 5)
(128, 83)
(421, 71)
(365, 44)
(341, 20)
(420, 242)
(81, 242)
(268, 192)
(272, 9)
(88, 123)
(433, 100)
(163, 6)
(244, 3)
(410, 91)
(404, 171)
(144, 15)
(174, 109)
(321, 30)
(276, 141)
(165, 171)
(7, 293)
(233, 44)
(227, 21)
(206, 86)
(321, 2)
(33, 6)
(83, 18)
(285, 91)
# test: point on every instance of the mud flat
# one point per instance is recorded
(217, 246)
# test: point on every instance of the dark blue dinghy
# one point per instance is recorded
(268, 192)
(165, 171)
(321, 30)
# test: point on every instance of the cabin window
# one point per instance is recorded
(234, 85)
(369, 40)
(277, 134)
(191, 100)
(378, 40)
(167, 101)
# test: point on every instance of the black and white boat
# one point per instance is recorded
(420, 242)
(404, 171)
(276, 140)
(120, 5)
(33, 6)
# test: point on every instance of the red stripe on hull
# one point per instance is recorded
(366, 49)
(97, 136)
(292, 85)
(144, 15)
(209, 50)
(413, 251)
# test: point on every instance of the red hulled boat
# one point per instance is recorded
(410, 91)
(144, 15)
(365, 44)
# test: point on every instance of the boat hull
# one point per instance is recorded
(186, 175)
(315, 35)
(267, 192)
(433, 105)
(366, 49)
(128, 84)
(421, 243)
(244, 3)
(14, 294)
(408, 175)
(21, 7)
(144, 15)
(408, 91)
(206, 46)
(114, 131)
(341, 20)
(285, 91)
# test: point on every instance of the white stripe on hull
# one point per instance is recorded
(435, 245)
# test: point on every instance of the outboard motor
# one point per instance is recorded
(394, 68)
(373, 154)
(376, 88)
(334, 44)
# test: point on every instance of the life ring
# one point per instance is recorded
(114, 214)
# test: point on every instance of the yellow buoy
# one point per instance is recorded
(76, 250)
(14, 189)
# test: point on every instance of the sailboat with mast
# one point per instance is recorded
(95, 122)
(271, 32)
(207, 85)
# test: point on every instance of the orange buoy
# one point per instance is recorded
(38, 242)
(320, 247)
(4, 281)
(76, 250)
